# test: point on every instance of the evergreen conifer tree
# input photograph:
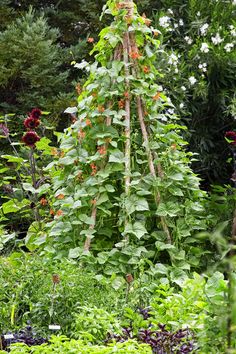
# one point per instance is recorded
(30, 63)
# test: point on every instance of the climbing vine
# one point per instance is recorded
(124, 188)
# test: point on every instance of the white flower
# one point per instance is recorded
(160, 88)
(181, 22)
(170, 111)
(232, 30)
(164, 21)
(192, 80)
(181, 105)
(203, 67)
(170, 11)
(163, 118)
(176, 25)
(234, 2)
(198, 13)
(204, 48)
(188, 40)
(173, 59)
(217, 39)
(176, 70)
(228, 47)
(183, 88)
(203, 29)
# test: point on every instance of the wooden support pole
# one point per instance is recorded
(151, 163)
(127, 119)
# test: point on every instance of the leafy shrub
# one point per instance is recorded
(65, 346)
(93, 324)
(201, 305)
(27, 292)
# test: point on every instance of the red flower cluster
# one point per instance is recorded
(231, 136)
(35, 113)
(31, 123)
(30, 138)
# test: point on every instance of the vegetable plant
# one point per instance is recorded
(124, 189)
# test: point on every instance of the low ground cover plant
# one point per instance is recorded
(65, 346)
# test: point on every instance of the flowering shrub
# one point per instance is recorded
(201, 83)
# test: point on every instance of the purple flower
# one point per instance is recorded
(4, 130)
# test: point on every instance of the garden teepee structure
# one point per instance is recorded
(125, 178)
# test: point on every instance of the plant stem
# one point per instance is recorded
(33, 175)
(127, 119)
(127, 292)
(52, 302)
(16, 154)
(32, 167)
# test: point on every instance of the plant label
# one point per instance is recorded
(8, 336)
(54, 327)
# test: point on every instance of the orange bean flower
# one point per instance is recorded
(43, 201)
(102, 150)
(101, 109)
(135, 55)
(121, 104)
(146, 69)
(157, 96)
(88, 122)
(59, 213)
(81, 134)
(54, 151)
(94, 169)
(60, 196)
